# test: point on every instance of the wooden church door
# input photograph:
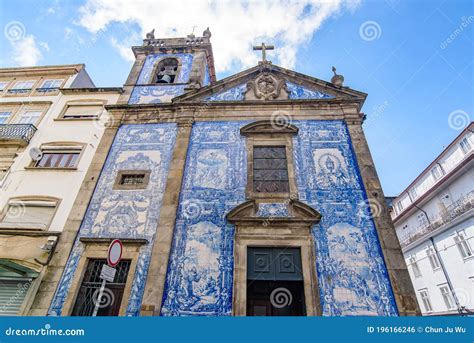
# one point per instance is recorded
(275, 282)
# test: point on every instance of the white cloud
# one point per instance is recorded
(235, 26)
(123, 49)
(26, 52)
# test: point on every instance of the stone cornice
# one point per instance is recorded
(42, 70)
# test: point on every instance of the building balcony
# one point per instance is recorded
(450, 213)
(16, 133)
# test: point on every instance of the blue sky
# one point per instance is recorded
(414, 58)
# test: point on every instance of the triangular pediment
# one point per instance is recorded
(293, 211)
(268, 82)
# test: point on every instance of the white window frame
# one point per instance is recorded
(415, 267)
(447, 297)
(52, 89)
(18, 119)
(399, 206)
(425, 299)
(2, 115)
(463, 245)
(433, 258)
(56, 83)
(20, 82)
(437, 172)
(5, 85)
(465, 145)
(413, 194)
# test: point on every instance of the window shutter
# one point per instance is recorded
(12, 295)
(83, 111)
(30, 213)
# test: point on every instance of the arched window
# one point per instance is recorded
(167, 71)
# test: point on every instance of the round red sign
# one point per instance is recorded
(115, 253)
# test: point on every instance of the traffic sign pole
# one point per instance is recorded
(99, 298)
(114, 255)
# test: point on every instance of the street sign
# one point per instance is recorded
(107, 273)
(115, 253)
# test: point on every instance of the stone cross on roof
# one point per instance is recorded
(264, 48)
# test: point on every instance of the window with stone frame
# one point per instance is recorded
(270, 169)
(59, 157)
(29, 213)
(91, 282)
(21, 87)
(132, 179)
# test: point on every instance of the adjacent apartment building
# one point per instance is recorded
(434, 221)
(51, 121)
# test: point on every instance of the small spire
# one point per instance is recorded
(337, 80)
(151, 34)
(191, 35)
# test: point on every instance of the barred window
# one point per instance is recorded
(132, 179)
(89, 290)
(270, 169)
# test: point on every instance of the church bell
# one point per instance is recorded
(164, 79)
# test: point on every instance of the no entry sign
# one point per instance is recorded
(115, 252)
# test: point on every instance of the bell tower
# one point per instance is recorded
(168, 67)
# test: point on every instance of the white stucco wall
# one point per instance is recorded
(62, 184)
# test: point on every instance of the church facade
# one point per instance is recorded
(252, 195)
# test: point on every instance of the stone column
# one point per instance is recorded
(402, 287)
(151, 304)
(56, 267)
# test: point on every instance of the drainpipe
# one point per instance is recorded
(446, 276)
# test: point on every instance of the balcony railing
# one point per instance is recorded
(17, 132)
(456, 209)
(18, 90)
(47, 90)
